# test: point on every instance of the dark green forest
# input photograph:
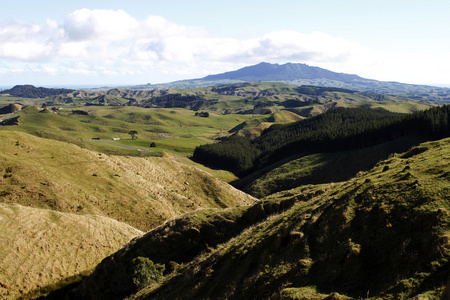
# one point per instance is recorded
(336, 130)
(193, 102)
(30, 91)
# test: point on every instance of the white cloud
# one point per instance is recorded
(18, 31)
(113, 43)
(85, 24)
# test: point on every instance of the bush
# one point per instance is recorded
(145, 272)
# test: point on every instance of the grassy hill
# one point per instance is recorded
(43, 249)
(142, 192)
(381, 235)
(177, 131)
(318, 168)
(53, 175)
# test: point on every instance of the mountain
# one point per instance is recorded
(302, 74)
(287, 72)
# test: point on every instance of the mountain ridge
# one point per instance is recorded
(276, 72)
(301, 74)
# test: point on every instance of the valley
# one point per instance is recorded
(236, 191)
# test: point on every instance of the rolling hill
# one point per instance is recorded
(43, 249)
(143, 192)
(30, 91)
(382, 235)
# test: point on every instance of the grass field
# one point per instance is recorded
(176, 131)
(143, 192)
(43, 249)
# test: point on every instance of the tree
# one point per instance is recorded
(152, 144)
(133, 134)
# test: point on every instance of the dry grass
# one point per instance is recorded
(41, 247)
(143, 192)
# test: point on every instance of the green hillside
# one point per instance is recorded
(381, 235)
(143, 192)
(340, 129)
(177, 131)
(89, 160)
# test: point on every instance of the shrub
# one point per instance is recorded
(145, 272)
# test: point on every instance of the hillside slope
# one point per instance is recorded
(142, 192)
(41, 247)
(383, 234)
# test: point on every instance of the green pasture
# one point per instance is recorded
(176, 131)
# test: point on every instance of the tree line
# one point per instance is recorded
(30, 91)
(336, 130)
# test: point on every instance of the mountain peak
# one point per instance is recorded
(275, 72)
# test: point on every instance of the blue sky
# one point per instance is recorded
(133, 42)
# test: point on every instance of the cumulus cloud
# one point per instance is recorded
(114, 43)
(85, 24)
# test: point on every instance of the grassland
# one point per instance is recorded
(43, 249)
(55, 179)
(381, 235)
(142, 192)
(176, 131)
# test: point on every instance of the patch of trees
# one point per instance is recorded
(236, 154)
(264, 104)
(203, 114)
(79, 112)
(297, 103)
(229, 88)
(336, 130)
(174, 100)
(318, 90)
(30, 91)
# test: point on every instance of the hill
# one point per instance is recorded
(30, 91)
(42, 247)
(340, 129)
(383, 234)
(10, 108)
(143, 192)
(302, 74)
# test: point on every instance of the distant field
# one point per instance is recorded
(176, 131)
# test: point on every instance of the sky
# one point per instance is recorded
(126, 42)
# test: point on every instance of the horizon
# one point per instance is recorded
(104, 43)
(99, 86)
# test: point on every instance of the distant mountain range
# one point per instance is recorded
(302, 74)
